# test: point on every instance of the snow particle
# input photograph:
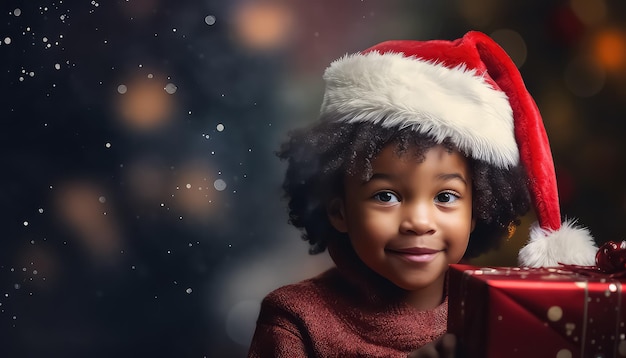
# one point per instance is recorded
(107, 145)
(564, 353)
(189, 290)
(219, 185)
(7, 40)
(121, 89)
(171, 88)
(210, 20)
(57, 66)
(220, 127)
(25, 223)
(188, 186)
(102, 199)
(555, 313)
(17, 12)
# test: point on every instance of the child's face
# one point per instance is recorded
(410, 219)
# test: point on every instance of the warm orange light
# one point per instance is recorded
(81, 206)
(139, 8)
(513, 43)
(590, 12)
(609, 50)
(144, 104)
(479, 13)
(39, 266)
(195, 192)
(263, 25)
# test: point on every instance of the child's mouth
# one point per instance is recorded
(415, 254)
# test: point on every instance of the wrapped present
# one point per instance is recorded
(560, 312)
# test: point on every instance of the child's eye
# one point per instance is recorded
(386, 197)
(446, 197)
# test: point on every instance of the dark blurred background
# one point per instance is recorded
(140, 198)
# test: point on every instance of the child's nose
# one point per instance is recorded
(418, 219)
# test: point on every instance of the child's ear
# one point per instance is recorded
(337, 214)
(473, 224)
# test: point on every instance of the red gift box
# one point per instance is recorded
(543, 312)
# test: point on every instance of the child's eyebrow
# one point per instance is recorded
(451, 176)
(391, 177)
(379, 176)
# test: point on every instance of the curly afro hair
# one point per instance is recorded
(320, 156)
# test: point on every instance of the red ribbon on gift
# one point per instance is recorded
(610, 261)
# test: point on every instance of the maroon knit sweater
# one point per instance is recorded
(347, 311)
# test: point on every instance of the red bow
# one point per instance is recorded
(610, 262)
(611, 258)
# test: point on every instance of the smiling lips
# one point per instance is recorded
(416, 254)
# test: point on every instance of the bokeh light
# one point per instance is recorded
(210, 20)
(145, 104)
(590, 12)
(263, 25)
(238, 325)
(561, 120)
(609, 49)
(80, 207)
(513, 43)
(479, 13)
(139, 8)
(194, 193)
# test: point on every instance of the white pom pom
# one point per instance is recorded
(569, 245)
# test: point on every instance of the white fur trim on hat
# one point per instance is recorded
(427, 96)
(568, 245)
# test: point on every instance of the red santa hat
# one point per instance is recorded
(470, 91)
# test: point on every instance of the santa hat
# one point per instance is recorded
(470, 91)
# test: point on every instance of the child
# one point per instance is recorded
(426, 153)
